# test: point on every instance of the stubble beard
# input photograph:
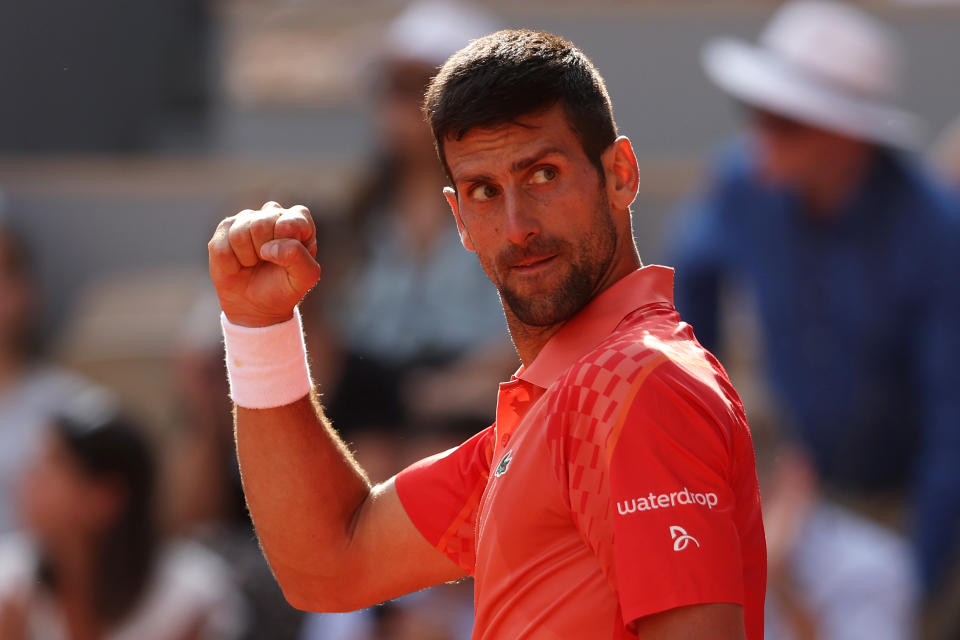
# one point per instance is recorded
(592, 257)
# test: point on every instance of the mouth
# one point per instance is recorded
(530, 265)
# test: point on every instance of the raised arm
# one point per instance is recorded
(333, 542)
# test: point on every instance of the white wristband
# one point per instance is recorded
(266, 366)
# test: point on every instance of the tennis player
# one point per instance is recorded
(616, 493)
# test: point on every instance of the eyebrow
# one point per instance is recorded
(519, 165)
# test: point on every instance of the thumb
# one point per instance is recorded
(302, 269)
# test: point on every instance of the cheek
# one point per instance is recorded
(50, 500)
(781, 159)
(483, 228)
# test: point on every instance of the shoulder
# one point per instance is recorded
(924, 227)
(650, 376)
(469, 458)
(928, 203)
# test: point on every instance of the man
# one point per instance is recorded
(849, 252)
(615, 495)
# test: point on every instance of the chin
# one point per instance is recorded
(544, 308)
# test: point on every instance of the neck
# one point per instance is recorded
(74, 566)
(529, 340)
(74, 588)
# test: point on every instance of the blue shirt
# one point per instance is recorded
(860, 315)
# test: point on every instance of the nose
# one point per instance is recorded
(521, 225)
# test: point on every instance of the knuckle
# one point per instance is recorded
(238, 230)
(302, 210)
(262, 225)
(220, 249)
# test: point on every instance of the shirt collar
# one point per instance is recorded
(647, 285)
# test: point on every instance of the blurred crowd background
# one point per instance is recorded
(803, 175)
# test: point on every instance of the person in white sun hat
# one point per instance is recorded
(848, 251)
(822, 63)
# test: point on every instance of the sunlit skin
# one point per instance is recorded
(547, 231)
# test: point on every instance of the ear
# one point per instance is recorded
(451, 195)
(622, 173)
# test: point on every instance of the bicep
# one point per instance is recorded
(390, 555)
(719, 621)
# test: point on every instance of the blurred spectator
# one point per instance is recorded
(92, 566)
(203, 497)
(30, 388)
(831, 574)
(424, 336)
(850, 253)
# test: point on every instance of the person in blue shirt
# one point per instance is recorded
(851, 254)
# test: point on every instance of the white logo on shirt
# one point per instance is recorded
(667, 500)
(680, 538)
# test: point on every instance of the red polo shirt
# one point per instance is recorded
(618, 481)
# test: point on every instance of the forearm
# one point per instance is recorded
(303, 489)
(334, 544)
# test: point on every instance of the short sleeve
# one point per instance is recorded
(650, 491)
(441, 495)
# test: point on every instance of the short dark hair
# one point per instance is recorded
(511, 73)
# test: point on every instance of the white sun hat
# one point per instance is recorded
(430, 31)
(822, 63)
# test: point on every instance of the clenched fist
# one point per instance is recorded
(263, 262)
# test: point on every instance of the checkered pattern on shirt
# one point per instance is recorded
(584, 420)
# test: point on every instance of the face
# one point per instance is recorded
(792, 153)
(59, 501)
(534, 209)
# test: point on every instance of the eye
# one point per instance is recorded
(484, 192)
(544, 175)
